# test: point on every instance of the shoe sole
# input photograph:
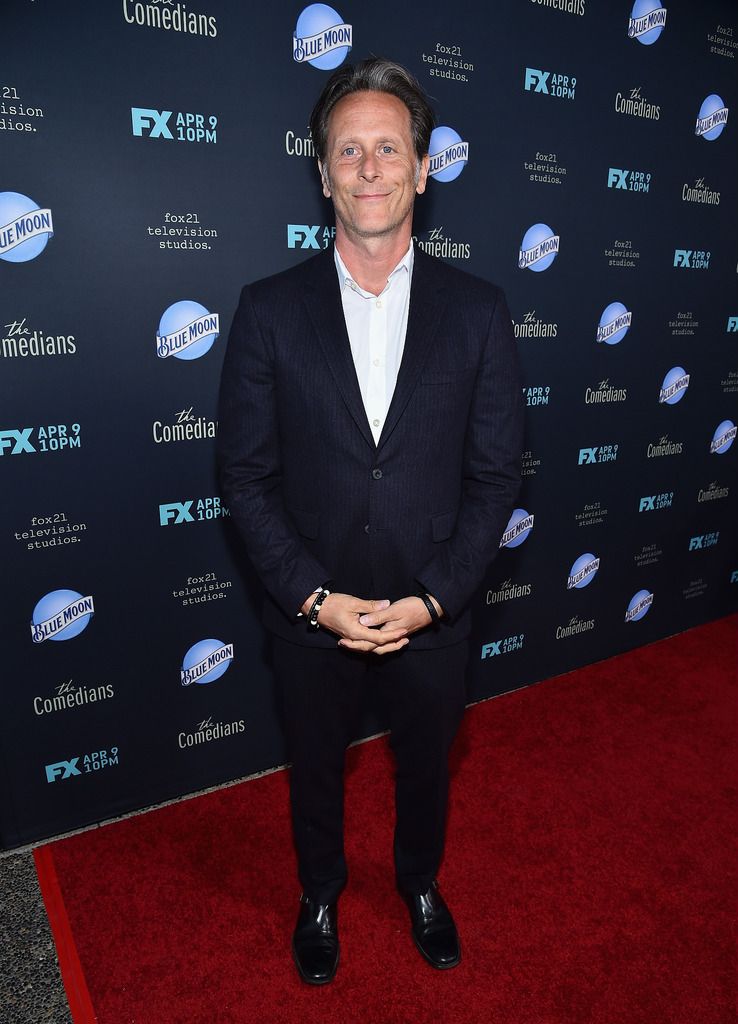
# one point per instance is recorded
(314, 981)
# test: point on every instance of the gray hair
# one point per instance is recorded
(374, 75)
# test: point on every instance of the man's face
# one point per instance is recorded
(371, 171)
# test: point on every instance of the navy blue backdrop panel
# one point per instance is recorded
(156, 157)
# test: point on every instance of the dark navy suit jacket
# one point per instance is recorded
(314, 497)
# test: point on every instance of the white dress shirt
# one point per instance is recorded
(376, 326)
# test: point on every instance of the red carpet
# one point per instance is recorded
(589, 865)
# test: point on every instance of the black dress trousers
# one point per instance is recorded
(321, 692)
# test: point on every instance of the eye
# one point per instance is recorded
(349, 151)
(387, 148)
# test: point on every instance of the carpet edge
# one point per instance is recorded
(75, 984)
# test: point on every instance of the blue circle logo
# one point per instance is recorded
(723, 437)
(712, 118)
(61, 615)
(583, 571)
(647, 20)
(614, 323)
(518, 529)
(638, 605)
(24, 228)
(321, 38)
(187, 330)
(205, 662)
(448, 152)
(539, 248)
(674, 386)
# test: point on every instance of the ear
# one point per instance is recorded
(423, 176)
(324, 180)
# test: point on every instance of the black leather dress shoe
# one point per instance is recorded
(433, 928)
(315, 942)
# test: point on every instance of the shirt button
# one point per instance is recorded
(375, 362)
(379, 303)
(377, 474)
(375, 423)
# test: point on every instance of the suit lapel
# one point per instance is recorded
(326, 313)
(325, 310)
(426, 304)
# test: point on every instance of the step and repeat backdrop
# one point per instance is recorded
(156, 157)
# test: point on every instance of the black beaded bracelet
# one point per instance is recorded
(435, 619)
(312, 617)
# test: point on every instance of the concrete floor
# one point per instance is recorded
(31, 989)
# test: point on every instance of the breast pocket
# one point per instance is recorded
(452, 376)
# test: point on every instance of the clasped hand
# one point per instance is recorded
(380, 627)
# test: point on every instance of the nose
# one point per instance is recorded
(369, 168)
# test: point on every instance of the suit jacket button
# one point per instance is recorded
(377, 474)
(366, 528)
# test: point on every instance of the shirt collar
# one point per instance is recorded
(346, 281)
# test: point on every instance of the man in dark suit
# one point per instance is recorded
(370, 439)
